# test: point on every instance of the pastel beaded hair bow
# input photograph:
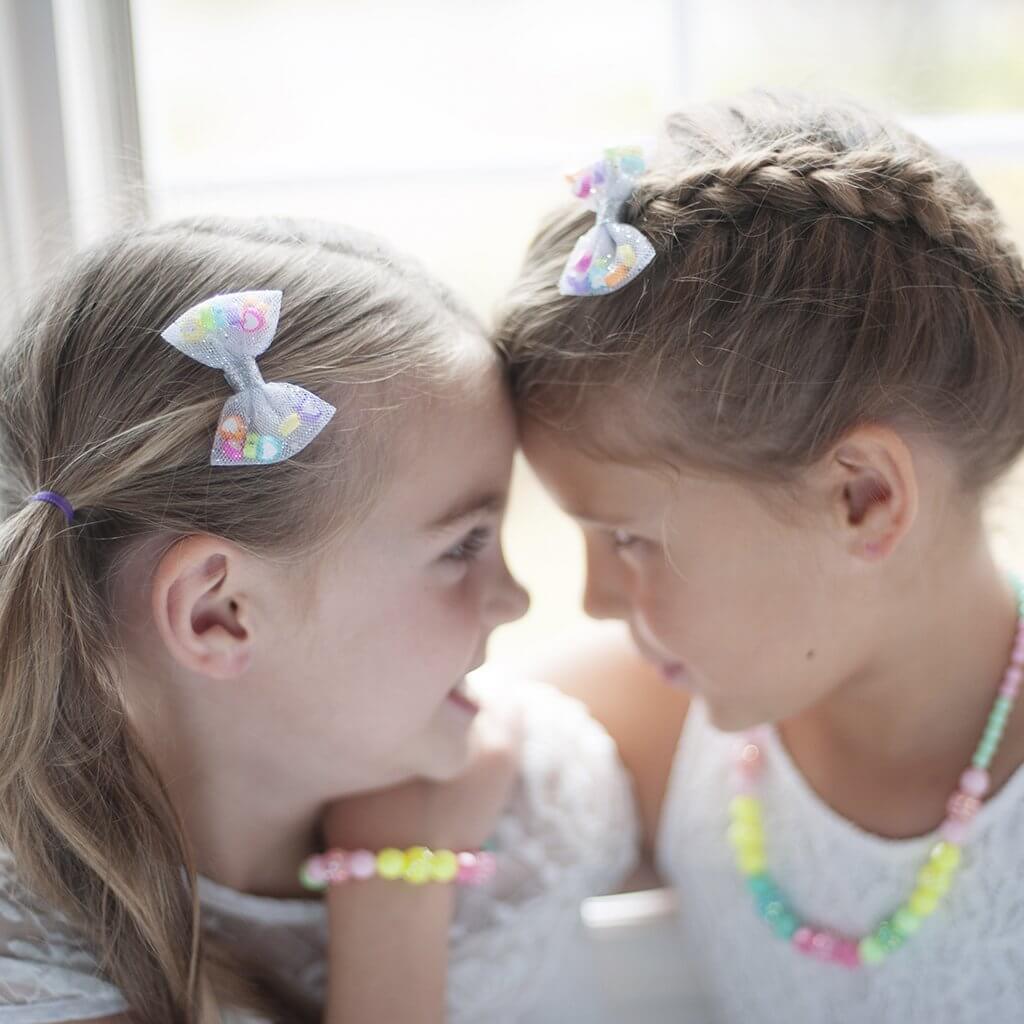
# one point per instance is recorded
(261, 423)
(610, 254)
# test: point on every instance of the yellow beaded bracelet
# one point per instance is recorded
(417, 865)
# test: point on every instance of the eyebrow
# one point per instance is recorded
(588, 517)
(480, 504)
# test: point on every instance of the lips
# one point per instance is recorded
(460, 698)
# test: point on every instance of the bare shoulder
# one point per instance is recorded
(629, 698)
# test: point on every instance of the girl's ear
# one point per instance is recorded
(201, 612)
(873, 490)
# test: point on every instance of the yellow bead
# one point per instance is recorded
(289, 424)
(751, 861)
(923, 902)
(746, 834)
(745, 808)
(390, 863)
(947, 855)
(444, 866)
(417, 865)
(932, 876)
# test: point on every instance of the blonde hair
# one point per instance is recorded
(94, 405)
(816, 267)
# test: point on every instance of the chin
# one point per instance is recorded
(734, 717)
(445, 765)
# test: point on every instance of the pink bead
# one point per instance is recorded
(316, 870)
(743, 782)
(1009, 690)
(803, 938)
(486, 866)
(475, 868)
(362, 864)
(1014, 676)
(962, 806)
(467, 871)
(1018, 650)
(749, 758)
(335, 867)
(823, 945)
(846, 953)
(975, 782)
(955, 830)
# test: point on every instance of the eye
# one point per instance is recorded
(470, 546)
(622, 540)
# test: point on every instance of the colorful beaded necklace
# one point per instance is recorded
(746, 835)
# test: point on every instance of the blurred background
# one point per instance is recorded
(447, 127)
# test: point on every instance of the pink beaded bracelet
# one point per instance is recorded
(416, 865)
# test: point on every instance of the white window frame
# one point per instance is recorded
(70, 152)
(71, 165)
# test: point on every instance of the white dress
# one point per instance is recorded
(964, 966)
(570, 831)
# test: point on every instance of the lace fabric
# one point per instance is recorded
(965, 965)
(570, 831)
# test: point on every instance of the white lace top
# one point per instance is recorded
(570, 831)
(965, 964)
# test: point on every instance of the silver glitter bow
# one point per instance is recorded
(610, 254)
(262, 423)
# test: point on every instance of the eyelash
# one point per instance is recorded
(622, 540)
(470, 546)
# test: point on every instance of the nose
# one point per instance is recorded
(606, 592)
(507, 599)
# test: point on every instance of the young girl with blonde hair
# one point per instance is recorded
(238, 602)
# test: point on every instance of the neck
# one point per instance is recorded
(248, 822)
(940, 655)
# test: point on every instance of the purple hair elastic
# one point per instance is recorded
(55, 499)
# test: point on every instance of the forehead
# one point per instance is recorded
(451, 442)
(589, 488)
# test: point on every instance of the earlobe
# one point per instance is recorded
(879, 490)
(199, 614)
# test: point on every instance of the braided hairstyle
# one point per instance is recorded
(816, 267)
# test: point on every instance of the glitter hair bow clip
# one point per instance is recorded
(610, 254)
(261, 423)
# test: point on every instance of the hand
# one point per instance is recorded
(458, 814)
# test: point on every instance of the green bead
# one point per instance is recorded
(1004, 705)
(309, 882)
(785, 926)
(761, 884)
(871, 950)
(906, 921)
(889, 937)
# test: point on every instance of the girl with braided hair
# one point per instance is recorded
(774, 384)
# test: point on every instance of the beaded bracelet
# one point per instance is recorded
(416, 865)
